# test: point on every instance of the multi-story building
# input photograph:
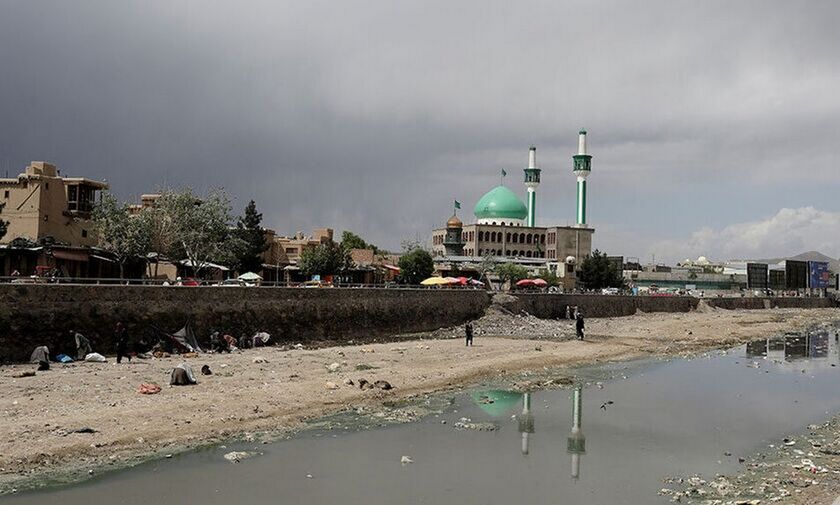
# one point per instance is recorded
(41, 204)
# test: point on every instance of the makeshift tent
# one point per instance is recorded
(261, 338)
(434, 281)
(525, 283)
(249, 277)
(185, 337)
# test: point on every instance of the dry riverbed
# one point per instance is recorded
(77, 418)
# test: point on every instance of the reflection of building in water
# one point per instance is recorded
(792, 347)
(757, 348)
(577, 442)
(526, 422)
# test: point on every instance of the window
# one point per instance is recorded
(6, 194)
(84, 233)
(47, 186)
(507, 237)
(291, 250)
(528, 238)
(46, 217)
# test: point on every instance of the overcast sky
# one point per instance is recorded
(714, 126)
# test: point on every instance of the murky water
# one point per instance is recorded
(665, 418)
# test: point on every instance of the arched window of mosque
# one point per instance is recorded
(507, 237)
(521, 238)
(528, 238)
(542, 239)
(528, 254)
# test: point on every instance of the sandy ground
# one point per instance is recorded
(41, 414)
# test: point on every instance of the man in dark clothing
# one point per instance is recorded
(579, 326)
(122, 343)
(468, 330)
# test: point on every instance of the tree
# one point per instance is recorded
(350, 240)
(196, 229)
(550, 277)
(4, 225)
(487, 266)
(598, 272)
(124, 235)
(328, 258)
(511, 272)
(415, 266)
(248, 229)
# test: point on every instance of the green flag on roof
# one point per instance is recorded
(457, 204)
(503, 172)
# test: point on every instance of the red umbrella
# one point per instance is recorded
(525, 282)
(462, 281)
(540, 282)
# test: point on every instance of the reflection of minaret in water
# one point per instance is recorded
(526, 422)
(577, 442)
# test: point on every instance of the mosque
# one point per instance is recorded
(507, 229)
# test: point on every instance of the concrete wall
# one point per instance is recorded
(32, 315)
(554, 306)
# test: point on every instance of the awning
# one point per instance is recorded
(70, 255)
(391, 267)
(102, 258)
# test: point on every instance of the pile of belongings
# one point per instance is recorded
(95, 357)
(182, 375)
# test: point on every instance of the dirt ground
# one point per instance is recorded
(45, 429)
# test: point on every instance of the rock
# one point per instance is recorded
(260, 359)
(237, 456)
(364, 384)
(333, 367)
(331, 385)
(383, 385)
(405, 460)
(349, 382)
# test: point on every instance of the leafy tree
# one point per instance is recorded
(196, 229)
(350, 240)
(550, 277)
(598, 272)
(248, 229)
(511, 272)
(328, 258)
(415, 266)
(4, 225)
(126, 236)
(487, 266)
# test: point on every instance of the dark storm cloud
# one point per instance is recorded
(373, 116)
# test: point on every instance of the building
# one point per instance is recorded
(506, 228)
(40, 204)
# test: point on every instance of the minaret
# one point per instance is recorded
(532, 180)
(526, 422)
(576, 444)
(582, 168)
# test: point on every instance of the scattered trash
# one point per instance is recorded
(383, 385)
(331, 385)
(333, 367)
(405, 460)
(95, 357)
(604, 405)
(205, 370)
(260, 359)
(237, 456)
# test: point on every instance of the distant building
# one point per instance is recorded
(40, 204)
(506, 229)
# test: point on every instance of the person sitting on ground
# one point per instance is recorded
(245, 342)
(230, 343)
(41, 356)
(217, 344)
(83, 347)
(182, 375)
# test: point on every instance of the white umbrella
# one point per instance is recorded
(249, 276)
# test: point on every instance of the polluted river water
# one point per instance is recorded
(611, 439)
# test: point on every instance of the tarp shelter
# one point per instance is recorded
(185, 337)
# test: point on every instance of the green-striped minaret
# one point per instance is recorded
(582, 168)
(532, 180)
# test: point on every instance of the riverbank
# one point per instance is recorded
(79, 417)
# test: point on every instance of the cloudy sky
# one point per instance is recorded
(715, 126)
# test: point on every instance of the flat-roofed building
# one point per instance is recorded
(40, 204)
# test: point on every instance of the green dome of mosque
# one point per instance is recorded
(500, 202)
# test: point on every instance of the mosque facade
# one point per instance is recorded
(506, 228)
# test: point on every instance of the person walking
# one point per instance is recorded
(122, 343)
(579, 325)
(468, 331)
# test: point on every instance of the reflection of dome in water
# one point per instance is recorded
(495, 402)
(702, 260)
(500, 202)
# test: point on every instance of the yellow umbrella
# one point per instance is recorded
(434, 281)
